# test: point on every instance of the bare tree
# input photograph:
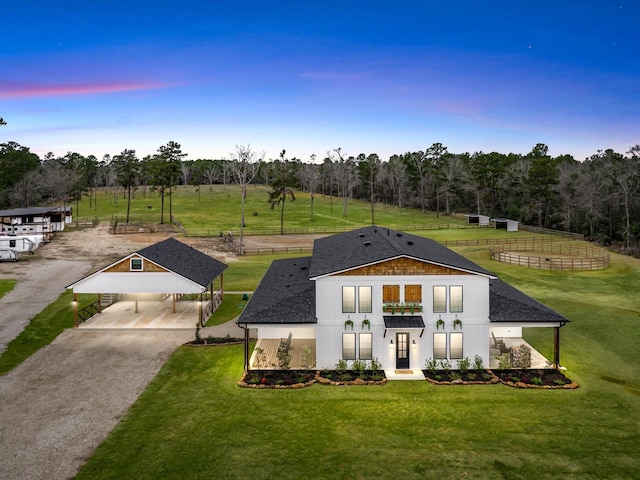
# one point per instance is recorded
(310, 178)
(245, 170)
(396, 173)
(346, 177)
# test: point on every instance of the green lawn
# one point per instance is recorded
(41, 331)
(193, 421)
(6, 286)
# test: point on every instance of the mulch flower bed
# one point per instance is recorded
(535, 378)
(214, 341)
(455, 377)
(349, 377)
(277, 379)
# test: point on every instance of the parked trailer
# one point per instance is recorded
(19, 243)
(7, 255)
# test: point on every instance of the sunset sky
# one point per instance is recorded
(97, 77)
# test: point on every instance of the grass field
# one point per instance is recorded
(194, 422)
(218, 209)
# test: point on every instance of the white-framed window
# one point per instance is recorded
(135, 264)
(348, 299)
(439, 345)
(348, 346)
(364, 299)
(439, 299)
(366, 347)
(455, 299)
(455, 345)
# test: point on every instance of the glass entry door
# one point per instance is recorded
(402, 351)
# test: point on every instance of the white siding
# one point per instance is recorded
(282, 331)
(331, 320)
(136, 282)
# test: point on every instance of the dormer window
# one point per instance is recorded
(135, 264)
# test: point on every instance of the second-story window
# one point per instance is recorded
(348, 299)
(364, 299)
(455, 299)
(439, 299)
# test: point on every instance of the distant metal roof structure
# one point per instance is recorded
(477, 219)
(505, 224)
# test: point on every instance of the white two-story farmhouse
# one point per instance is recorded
(384, 294)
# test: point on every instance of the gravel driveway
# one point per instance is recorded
(58, 405)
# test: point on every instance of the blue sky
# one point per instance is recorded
(99, 77)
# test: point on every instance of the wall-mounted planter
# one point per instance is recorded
(457, 323)
(366, 323)
(439, 323)
(348, 324)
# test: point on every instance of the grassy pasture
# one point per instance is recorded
(218, 208)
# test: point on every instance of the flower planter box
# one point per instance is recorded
(402, 310)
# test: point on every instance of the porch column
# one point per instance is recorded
(556, 347)
(247, 367)
(99, 303)
(222, 286)
(200, 322)
(75, 310)
(173, 296)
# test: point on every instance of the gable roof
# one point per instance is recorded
(285, 295)
(508, 304)
(373, 244)
(184, 260)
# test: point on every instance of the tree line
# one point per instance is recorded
(598, 197)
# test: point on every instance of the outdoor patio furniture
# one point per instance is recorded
(498, 343)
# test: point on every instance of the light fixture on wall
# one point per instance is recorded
(414, 344)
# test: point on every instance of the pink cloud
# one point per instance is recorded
(10, 90)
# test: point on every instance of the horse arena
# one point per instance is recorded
(545, 255)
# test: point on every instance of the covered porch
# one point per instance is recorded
(265, 354)
(538, 361)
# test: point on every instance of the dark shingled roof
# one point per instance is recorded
(403, 321)
(184, 260)
(285, 295)
(373, 244)
(508, 304)
(18, 212)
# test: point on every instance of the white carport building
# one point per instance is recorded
(156, 278)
